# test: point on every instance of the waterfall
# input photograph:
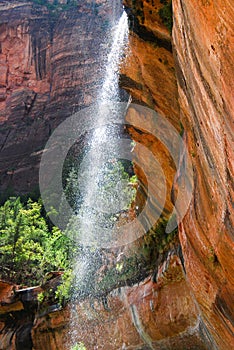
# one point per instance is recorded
(100, 202)
(93, 169)
(110, 89)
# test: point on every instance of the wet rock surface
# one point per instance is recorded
(149, 315)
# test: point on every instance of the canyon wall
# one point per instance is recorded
(149, 315)
(50, 68)
(202, 47)
(148, 74)
(187, 78)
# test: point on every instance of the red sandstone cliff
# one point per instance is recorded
(148, 315)
(202, 46)
(179, 311)
(50, 68)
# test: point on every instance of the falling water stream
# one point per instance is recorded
(100, 201)
(93, 168)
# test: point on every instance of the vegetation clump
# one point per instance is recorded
(64, 290)
(79, 346)
(158, 238)
(165, 14)
(29, 247)
(56, 7)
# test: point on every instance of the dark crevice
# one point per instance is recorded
(224, 310)
(144, 33)
(29, 103)
(5, 140)
(128, 83)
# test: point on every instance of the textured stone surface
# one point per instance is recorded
(203, 43)
(176, 312)
(17, 310)
(149, 315)
(148, 74)
(50, 68)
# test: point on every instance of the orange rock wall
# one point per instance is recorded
(149, 315)
(148, 74)
(203, 48)
(176, 312)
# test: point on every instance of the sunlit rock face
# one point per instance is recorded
(202, 48)
(50, 68)
(148, 74)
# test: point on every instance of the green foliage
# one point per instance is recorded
(131, 269)
(158, 239)
(181, 129)
(40, 297)
(71, 188)
(133, 179)
(113, 190)
(165, 14)
(64, 290)
(124, 272)
(56, 7)
(79, 346)
(114, 184)
(28, 248)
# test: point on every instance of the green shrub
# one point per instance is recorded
(28, 248)
(64, 290)
(40, 297)
(79, 346)
(165, 14)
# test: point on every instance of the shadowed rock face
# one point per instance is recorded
(50, 68)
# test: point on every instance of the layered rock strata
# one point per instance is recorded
(148, 315)
(183, 307)
(202, 46)
(50, 68)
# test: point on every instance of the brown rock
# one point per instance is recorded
(155, 315)
(160, 315)
(49, 70)
(203, 44)
(148, 74)
(194, 311)
(202, 39)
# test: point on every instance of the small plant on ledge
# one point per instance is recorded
(55, 7)
(165, 14)
(79, 346)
